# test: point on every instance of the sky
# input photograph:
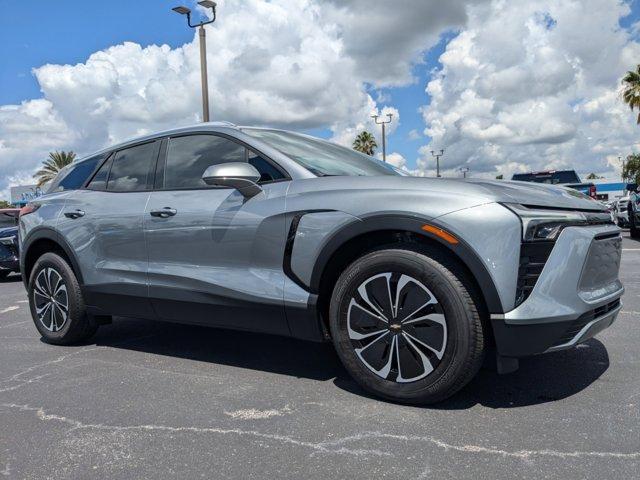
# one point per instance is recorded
(502, 86)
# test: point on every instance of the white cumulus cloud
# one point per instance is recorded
(288, 63)
(533, 85)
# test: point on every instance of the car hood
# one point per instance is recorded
(461, 192)
(537, 194)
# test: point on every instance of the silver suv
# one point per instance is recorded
(413, 279)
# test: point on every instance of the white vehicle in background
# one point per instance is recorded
(621, 213)
(611, 208)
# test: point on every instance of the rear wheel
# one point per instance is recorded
(56, 302)
(406, 327)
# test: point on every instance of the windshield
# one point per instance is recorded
(320, 157)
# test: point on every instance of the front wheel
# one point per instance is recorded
(56, 302)
(406, 327)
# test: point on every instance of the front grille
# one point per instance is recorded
(580, 322)
(533, 257)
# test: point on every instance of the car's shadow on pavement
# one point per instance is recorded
(268, 353)
(540, 379)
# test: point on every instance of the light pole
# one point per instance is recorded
(622, 171)
(384, 139)
(464, 171)
(437, 155)
(203, 50)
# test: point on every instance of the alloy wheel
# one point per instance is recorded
(51, 299)
(397, 327)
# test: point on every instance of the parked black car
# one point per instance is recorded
(9, 256)
(633, 210)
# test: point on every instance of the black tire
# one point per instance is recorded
(57, 328)
(461, 332)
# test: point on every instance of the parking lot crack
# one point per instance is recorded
(339, 446)
(522, 454)
(316, 447)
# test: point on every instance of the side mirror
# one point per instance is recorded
(238, 175)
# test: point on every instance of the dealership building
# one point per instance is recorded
(611, 189)
(23, 194)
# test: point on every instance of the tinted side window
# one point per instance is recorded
(131, 168)
(76, 177)
(189, 156)
(99, 180)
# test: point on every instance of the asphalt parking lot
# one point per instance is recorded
(148, 399)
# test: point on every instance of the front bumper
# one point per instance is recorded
(576, 296)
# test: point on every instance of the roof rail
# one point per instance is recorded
(222, 124)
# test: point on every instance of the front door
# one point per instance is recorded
(215, 258)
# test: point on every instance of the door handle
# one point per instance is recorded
(75, 214)
(166, 212)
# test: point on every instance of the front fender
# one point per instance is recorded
(312, 265)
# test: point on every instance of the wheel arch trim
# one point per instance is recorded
(48, 233)
(461, 250)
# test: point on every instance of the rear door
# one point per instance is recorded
(103, 224)
(215, 258)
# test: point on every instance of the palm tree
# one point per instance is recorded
(52, 165)
(365, 143)
(631, 90)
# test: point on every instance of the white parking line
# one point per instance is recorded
(631, 249)
(10, 309)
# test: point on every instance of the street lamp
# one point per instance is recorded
(384, 139)
(437, 155)
(203, 50)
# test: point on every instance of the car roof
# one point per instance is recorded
(212, 126)
(293, 169)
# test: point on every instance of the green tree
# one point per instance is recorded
(365, 143)
(593, 176)
(4, 204)
(631, 89)
(631, 169)
(500, 177)
(52, 165)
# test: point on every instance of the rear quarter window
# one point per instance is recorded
(74, 176)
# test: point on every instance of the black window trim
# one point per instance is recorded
(149, 187)
(85, 185)
(162, 161)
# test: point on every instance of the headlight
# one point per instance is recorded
(542, 224)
